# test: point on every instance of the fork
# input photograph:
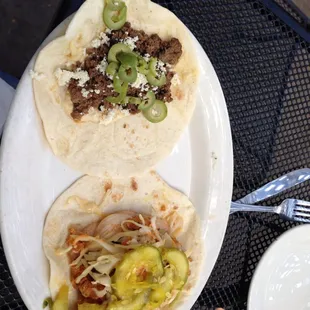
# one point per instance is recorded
(290, 209)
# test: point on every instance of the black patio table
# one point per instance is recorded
(260, 50)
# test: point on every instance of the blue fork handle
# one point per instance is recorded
(274, 188)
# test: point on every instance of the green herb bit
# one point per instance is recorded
(48, 302)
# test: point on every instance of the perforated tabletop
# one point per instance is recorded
(264, 69)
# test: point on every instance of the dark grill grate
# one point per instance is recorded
(264, 68)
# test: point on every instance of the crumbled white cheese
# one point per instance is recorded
(110, 77)
(131, 42)
(175, 80)
(102, 66)
(110, 86)
(161, 66)
(108, 31)
(96, 43)
(125, 112)
(110, 116)
(64, 77)
(141, 82)
(85, 92)
(155, 88)
(112, 113)
(97, 91)
(103, 39)
(147, 57)
(36, 75)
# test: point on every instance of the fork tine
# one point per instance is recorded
(302, 209)
(301, 214)
(299, 219)
(303, 203)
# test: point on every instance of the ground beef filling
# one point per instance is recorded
(100, 86)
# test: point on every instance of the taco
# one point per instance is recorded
(117, 90)
(129, 243)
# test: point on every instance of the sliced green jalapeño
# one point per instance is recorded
(148, 101)
(143, 66)
(157, 112)
(152, 66)
(117, 99)
(127, 75)
(132, 100)
(115, 49)
(112, 68)
(114, 16)
(153, 80)
(119, 85)
(128, 60)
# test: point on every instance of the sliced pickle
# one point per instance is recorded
(137, 303)
(159, 293)
(179, 264)
(137, 271)
(61, 301)
(91, 307)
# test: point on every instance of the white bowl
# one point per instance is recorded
(282, 278)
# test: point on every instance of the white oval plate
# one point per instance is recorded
(201, 166)
(282, 278)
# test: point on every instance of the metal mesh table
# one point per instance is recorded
(264, 69)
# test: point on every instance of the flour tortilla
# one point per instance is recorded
(125, 145)
(90, 197)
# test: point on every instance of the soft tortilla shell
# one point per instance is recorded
(145, 194)
(130, 145)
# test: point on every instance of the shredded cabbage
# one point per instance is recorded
(101, 242)
(76, 261)
(142, 219)
(84, 262)
(84, 274)
(106, 264)
(159, 244)
(132, 222)
(61, 251)
(103, 280)
(124, 234)
(102, 293)
(175, 223)
(101, 256)
(92, 256)
(169, 241)
(153, 223)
